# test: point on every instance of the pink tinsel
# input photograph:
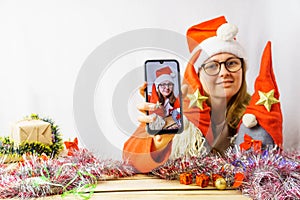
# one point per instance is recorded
(271, 174)
(76, 174)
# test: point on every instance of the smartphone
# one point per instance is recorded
(164, 91)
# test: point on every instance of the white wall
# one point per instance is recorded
(43, 45)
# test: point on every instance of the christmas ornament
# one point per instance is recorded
(267, 99)
(196, 99)
(220, 183)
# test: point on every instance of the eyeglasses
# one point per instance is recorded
(231, 64)
(164, 85)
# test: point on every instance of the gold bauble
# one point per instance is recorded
(220, 183)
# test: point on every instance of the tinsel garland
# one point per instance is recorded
(38, 176)
(9, 149)
(271, 174)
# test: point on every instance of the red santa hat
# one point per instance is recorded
(164, 74)
(264, 104)
(212, 37)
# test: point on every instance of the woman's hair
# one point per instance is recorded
(237, 104)
(171, 97)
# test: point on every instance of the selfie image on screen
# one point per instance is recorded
(163, 83)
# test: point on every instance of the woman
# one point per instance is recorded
(163, 97)
(215, 97)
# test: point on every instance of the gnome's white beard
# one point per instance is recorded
(190, 142)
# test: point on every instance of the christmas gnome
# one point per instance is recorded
(261, 125)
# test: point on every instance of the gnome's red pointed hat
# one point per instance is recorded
(265, 103)
(195, 107)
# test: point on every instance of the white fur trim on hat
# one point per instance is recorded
(224, 42)
(162, 78)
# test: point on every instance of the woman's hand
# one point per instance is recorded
(159, 141)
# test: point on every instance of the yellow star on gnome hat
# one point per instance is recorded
(264, 104)
(196, 99)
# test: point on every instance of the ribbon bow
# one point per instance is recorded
(71, 146)
(249, 142)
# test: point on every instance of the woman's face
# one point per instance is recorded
(165, 88)
(225, 84)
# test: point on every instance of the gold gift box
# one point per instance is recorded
(32, 131)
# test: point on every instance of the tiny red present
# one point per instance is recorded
(215, 177)
(186, 178)
(202, 180)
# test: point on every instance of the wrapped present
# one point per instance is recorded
(32, 131)
(202, 180)
(186, 178)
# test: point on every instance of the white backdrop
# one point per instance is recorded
(43, 45)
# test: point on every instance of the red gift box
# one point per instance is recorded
(186, 178)
(202, 180)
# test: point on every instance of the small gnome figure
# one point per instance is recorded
(261, 126)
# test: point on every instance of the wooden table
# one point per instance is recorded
(150, 187)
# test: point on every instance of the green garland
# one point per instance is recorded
(7, 146)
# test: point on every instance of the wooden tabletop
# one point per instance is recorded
(149, 187)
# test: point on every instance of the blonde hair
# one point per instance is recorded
(238, 103)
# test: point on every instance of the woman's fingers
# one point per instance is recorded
(142, 89)
(145, 106)
(146, 118)
(184, 90)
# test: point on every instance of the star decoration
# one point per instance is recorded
(157, 105)
(267, 99)
(196, 99)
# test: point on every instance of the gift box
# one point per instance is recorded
(32, 131)
(186, 178)
(202, 180)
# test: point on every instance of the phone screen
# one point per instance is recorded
(164, 91)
